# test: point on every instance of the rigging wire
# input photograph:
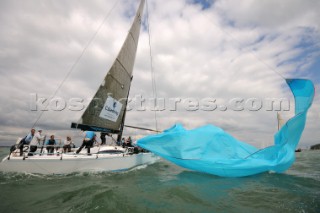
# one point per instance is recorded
(78, 59)
(154, 86)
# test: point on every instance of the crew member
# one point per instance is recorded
(26, 140)
(88, 141)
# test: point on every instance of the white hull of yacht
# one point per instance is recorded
(70, 163)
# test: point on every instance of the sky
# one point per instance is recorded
(222, 51)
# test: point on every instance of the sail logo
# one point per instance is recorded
(111, 109)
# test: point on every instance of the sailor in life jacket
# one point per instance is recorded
(88, 141)
(51, 144)
(26, 140)
(36, 141)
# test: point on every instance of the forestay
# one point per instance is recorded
(211, 150)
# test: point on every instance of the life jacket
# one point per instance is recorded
(51, 142)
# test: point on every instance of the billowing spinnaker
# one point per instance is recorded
(211, 150)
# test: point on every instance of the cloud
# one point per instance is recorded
(200, 49)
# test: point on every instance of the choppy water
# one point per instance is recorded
(164, 187)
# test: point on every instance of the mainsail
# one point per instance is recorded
(106, 111)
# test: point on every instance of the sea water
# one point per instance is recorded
(164, 187)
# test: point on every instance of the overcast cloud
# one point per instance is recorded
(200, 49)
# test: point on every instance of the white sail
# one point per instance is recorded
(280, 121)
(106, 111)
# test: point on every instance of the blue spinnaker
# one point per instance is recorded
(211, 150)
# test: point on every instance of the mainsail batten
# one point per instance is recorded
(106, 111)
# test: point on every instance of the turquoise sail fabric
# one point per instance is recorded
(211, 150)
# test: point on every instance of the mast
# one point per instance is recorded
(123, 120)
(106, 111)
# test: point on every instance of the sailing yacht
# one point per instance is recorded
(105, 113)
(280, 121)
(280, 124)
